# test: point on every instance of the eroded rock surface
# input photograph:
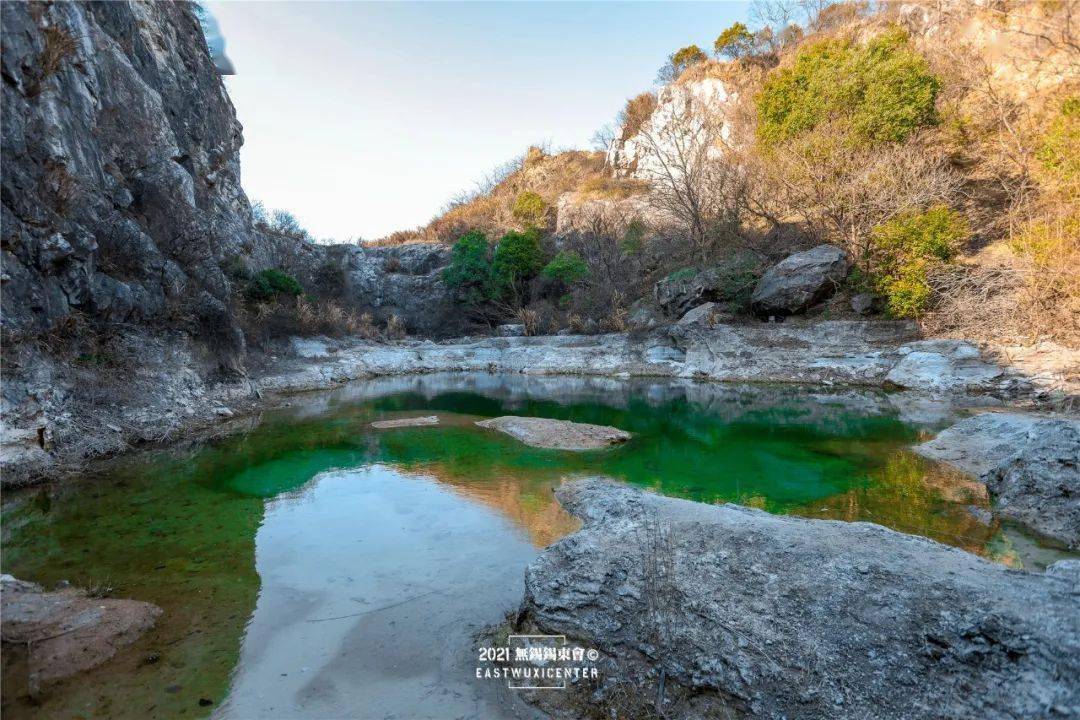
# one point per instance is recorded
(746, 614)
(1030, 464)
(800, 281)
(556, 434)
(58, 634)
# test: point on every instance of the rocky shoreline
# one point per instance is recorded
(725, 611)
(48, 433)
(1030, 464)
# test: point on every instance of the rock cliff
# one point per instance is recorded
(121, 184)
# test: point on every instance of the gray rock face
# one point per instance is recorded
(406, 281)
(700, 314)
(1030, 464)
(729, 281)
(556, 434)
(799, 281)
(739, 613)
(512, 330)
(121, 179)
(58, 634)
(939, 364)
(865, 303)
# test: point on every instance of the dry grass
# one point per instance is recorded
(395, 328)
(638, 109)
(611, 188)
(59, 45)
(530, 319)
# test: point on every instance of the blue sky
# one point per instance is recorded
(364, 118)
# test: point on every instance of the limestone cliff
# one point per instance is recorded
(121, 184)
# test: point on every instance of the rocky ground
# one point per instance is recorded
(724, 611)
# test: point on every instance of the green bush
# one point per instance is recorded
(1059, 151)
(735, 42)
(469, 271)
(530, 209)
(270, 284)
(517, 259)
(885, 90)
(567, 267)
(633, 239)
(906, 249)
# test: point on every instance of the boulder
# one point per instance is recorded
(58, 634)
(800, 281)
(723, 611)
(556, 434)
(700, 314)
(730, 281)
(511, 330)
(866, 303)
(310, 348)
(643, 315)
(1030, 464)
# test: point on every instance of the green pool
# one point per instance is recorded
(312, 566)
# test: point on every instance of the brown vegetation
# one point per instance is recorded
(490, 208)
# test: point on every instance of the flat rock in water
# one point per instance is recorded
(425, 421)
(556, 434)
(740, 613)
(65, 632)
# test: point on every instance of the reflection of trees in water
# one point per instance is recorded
(526, 499)
(916, 496)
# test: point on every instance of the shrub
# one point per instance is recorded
(1059, 151)
(735, 42)
(59, 45)
(567, 267)
(905, 250)
(395, 328)
(270, 284)
(638, 109)
(530, 320)
(884, 90)
(530, 209)
(469, 271)
(517, 258)
(633, 238)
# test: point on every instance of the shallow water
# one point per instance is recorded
(311, 566)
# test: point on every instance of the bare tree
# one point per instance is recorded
(842, 190)
(694, 186)
(603, 137)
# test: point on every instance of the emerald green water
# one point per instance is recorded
(252, 542)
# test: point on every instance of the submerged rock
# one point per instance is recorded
(725, 611)
(407, 422)
(556, 434)
(799, 281)
(1030, 464)
(58, 634)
